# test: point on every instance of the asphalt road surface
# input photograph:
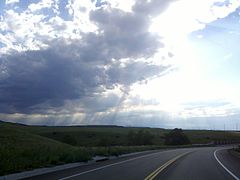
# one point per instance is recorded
(213, 163)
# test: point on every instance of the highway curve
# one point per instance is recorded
(181, 164)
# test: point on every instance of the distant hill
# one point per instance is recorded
(95, 135)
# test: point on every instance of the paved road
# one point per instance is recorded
(186, 164)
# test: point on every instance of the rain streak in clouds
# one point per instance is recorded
(93, 71)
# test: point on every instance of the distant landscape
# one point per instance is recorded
(25, 147)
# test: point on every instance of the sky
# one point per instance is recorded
(151, 63)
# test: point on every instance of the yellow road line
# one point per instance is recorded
(161, 168)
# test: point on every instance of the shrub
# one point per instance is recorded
(176, 137)
(69, 140)
(140, 137)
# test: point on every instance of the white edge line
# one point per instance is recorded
(92, 170)
(233, 175)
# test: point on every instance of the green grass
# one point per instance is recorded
(206, 136)
(27, 147)
(117, 136)
(89, 136)
(238, 149)
(21, 150)
(235, 151)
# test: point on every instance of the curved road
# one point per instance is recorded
(189, 163)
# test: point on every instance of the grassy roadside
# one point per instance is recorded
(235, 151)
(238, 149)
(21, 151)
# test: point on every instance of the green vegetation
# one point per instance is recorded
(207, 136)
(140, 137)
(238, 149)
(26, 147)
(176, 137)
(21, 150)
(235, 151)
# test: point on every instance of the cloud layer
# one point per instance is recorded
(40, 80)
(82, 62)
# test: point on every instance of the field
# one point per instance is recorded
(27, 147)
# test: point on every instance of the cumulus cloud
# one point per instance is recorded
(55, 75)
(11, 1)
(34, 77)
(61, 70)
(42, 5)
(151, 8)
(81, 68)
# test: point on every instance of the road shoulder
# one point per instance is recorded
(230, 161)
(42, 171)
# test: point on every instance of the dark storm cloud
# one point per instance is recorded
(100, 103)
(133, 72)
(46, 77)
(34, 80)
(125, 34)
(35, 77)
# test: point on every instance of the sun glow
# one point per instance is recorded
(172, 90)
(188, 83)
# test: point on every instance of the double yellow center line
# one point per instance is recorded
(161, 168)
